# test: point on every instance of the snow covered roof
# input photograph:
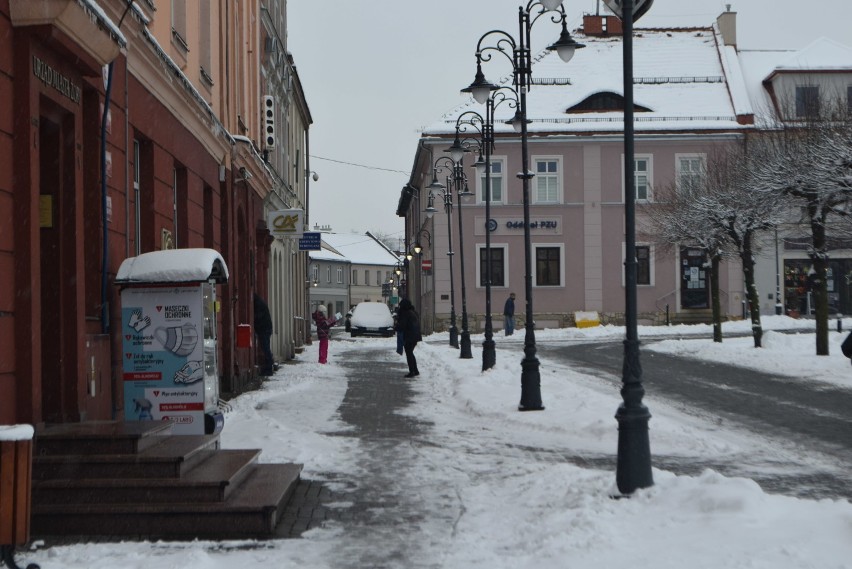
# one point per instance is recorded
(360, 248)
(174, 266)
(680, 76)
(327, 254)
(685, 79)
(822, 54)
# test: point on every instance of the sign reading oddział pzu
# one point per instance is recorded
(163, 355)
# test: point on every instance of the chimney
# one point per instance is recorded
(727, 22)
(602, 26)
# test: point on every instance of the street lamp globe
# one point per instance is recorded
(480, 89)
(565, 46)
(457, 151)
(551, 4)
(418, 248)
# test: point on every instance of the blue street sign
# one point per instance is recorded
(310, 241)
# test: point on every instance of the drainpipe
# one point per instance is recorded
(105, 252)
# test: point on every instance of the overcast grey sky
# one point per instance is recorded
(376, 71)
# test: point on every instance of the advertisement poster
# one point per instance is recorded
(163, 366)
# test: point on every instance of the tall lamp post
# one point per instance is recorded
(633, 468)
(436, 188)
(455, 162)
(520, 56)
(485, 127)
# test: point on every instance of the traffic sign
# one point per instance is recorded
(426, 264)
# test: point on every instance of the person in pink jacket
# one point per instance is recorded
(324, 324)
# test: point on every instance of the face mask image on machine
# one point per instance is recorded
(179, 340)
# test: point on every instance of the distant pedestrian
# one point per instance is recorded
(509, 315)
(409, 324)
(324, 325)
(263, 331)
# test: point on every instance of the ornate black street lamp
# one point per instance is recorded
(633, 468)
(519, 54)
(436, 188)
(456, 180)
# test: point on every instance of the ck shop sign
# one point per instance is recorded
(551, 225)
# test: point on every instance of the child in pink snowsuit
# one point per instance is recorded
(324, 325)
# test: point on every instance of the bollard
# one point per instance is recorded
(668, 321)
(840, 323)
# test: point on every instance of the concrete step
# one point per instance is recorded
(251, 511)
(212, 480)
(172, 457)
(100, 437)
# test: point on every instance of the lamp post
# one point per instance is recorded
(485, 127)
(633, 468)
(519, 54)
(437, 188)
(455, 162)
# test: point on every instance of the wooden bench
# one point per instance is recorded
(16, 450)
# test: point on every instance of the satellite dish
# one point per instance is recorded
(639, 7)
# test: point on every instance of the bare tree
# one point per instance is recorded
(809, 161)
(676, 217)
(740, 213)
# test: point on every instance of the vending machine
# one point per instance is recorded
(168, 330)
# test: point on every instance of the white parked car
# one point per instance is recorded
(371, 318)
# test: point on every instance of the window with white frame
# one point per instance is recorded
(690, 171)
(339, 275)
(378, 277)
(548, 265)
(366, 277)
(315, 273)
(547, 176)
(328, 274)
(354, 277)
(498, 266)
(497, 169)
(642, 178)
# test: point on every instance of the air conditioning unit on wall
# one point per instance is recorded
(269, 122)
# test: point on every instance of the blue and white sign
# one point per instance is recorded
(310, 241)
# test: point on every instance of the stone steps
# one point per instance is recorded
(169, 487)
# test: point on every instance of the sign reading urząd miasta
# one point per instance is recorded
(53, 78)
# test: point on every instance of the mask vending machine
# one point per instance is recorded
(168, 331)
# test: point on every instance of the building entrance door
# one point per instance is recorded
(694, 279)
(56, 243)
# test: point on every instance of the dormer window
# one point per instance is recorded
(604, 102)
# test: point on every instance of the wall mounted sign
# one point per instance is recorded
(286, 223)
(310, 241)
(515, 225)
(53, 78)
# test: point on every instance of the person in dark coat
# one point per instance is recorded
(509, 315)
(409, 324)
(263, 330)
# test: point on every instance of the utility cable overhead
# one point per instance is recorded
(360, 165)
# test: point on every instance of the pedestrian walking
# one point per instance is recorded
(409, 325)
(324, 324)
(509, 315)
(400, 341)
(263, 331)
